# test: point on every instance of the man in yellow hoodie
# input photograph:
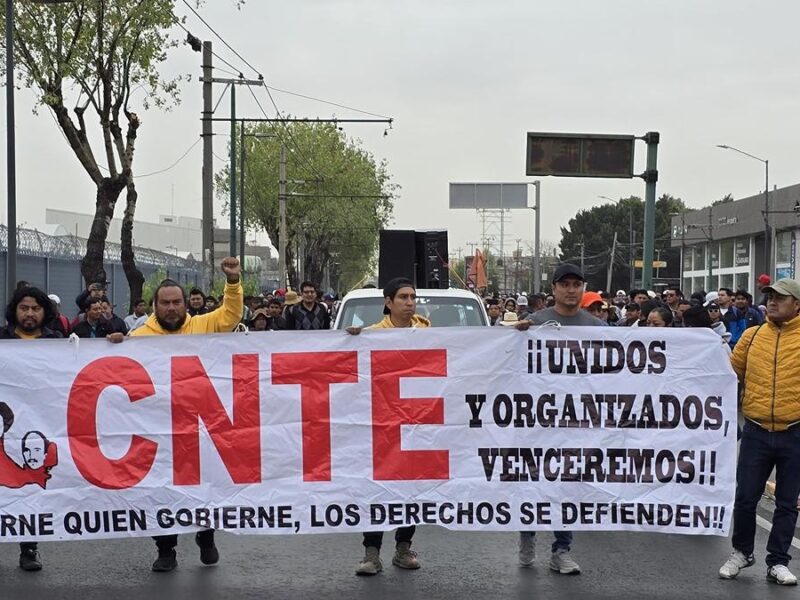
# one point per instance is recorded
(767, 361)
(170, 317)
(400, 310)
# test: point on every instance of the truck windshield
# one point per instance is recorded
(441, 311)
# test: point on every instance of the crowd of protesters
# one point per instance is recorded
(764, 338)
(729, 313)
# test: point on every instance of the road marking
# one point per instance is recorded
(766, 525)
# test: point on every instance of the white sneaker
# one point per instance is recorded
(371, 564)
(562, 562)
(781, 575)
(527, 548)
(735, 563)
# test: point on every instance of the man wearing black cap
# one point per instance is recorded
(568, 284)
(400, 307)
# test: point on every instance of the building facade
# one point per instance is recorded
(727, 245)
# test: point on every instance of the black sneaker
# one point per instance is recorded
(29, 560)
(209, 555)
(167, 561)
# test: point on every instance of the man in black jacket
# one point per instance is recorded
(26, 315)
(95, 325)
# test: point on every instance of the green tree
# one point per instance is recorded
(94, 55)
(335, 217)
(595, 228)
(727, 198)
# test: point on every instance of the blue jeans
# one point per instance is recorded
(759, 453)
(563, 540)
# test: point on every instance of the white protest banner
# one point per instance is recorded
(285, 432)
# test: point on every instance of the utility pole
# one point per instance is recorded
(651, 177)
(583, 246)
(611, 262)
(241, 198)
(537, 257)
(282, 210)
(208, 171)
(11, 158)
(232, 251)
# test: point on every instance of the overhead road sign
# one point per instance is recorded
(489, 195)
(579, 155)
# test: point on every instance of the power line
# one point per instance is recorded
(173, 165)
(288, 131)
(221, 39)
(238, 71)
(358, 110)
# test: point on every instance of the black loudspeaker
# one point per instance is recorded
(397, 256)
(432, 258)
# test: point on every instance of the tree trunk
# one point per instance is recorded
(132, 273)
(314, 268)
(108, 191)
(291, 271)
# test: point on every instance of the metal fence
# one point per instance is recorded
(53, 264)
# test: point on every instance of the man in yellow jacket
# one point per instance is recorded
(400, 310)
(767, 361)
(170, 317)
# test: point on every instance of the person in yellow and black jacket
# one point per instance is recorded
(767, 361)
(170, 317)
(400, 308)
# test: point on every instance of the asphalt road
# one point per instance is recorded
(456, 565)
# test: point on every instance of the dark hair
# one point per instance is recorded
(632, 306)
(39, 433)
(492, 302)
(633, 293)
(684, 301)
(744, 294)
(197, 292)
(306, 284)
(90, 301)
(696, 316)
(8, 416)
(648, 306)
(169, 283)
(274, 302)
(728, 291)
(665, 312)
(139, 301)
(698, 298)
(41, 299)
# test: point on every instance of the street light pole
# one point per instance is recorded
(767, 228)
(11, 149)
(11, 158)
(537, 252)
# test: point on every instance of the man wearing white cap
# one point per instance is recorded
(766, 361)
(60, 323)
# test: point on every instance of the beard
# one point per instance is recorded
(29, 325)
(167, 326)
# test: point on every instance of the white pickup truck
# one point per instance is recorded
(444, 308)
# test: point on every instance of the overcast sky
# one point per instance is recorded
(465, 80)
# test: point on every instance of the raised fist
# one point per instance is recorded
(230, 266)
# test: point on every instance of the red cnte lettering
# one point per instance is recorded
(390, 411)
(111, 474)
(315, 372)
(237, 441)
